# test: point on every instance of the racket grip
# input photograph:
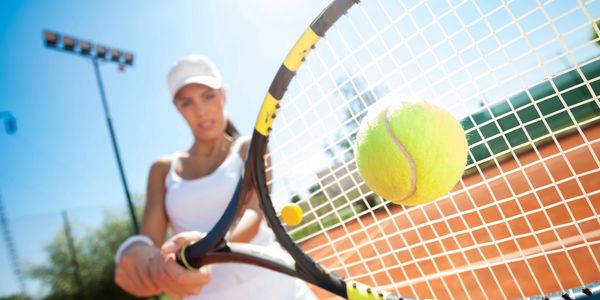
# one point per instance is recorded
(181, 258)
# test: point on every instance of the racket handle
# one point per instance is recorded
(180, 257)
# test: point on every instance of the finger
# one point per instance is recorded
(152, 263)
(122, 282)
(165, 282)
(169, 286)
(180, 281)
(155, 271)
(130, 278)
(129, 287)
(176, 287)
(173, 297)
(143, 272)
(185, 276)
(179, 240)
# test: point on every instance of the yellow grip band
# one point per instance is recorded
(359, 291)
(292, 62)
(265, 117)
(184, 259)
(301, 49)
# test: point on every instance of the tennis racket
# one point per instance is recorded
(522, 77)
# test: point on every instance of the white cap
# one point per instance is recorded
(193, 68)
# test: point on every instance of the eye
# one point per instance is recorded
(185, 102)
(209, 96)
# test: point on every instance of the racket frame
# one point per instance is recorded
(214, 248)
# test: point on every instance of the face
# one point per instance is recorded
(202, 108)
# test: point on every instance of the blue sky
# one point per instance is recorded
(61, 157)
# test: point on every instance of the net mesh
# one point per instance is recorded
(522, 77)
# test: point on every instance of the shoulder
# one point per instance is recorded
(162, 164)
(244, 140)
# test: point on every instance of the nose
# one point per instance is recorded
(200, 110)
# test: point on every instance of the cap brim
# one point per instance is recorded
(209, 81)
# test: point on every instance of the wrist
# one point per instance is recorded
(131, 242)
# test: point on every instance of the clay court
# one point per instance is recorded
(477, 238)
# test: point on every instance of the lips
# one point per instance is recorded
(205, 125)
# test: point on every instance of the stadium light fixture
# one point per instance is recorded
(88, 49)
(96, 53)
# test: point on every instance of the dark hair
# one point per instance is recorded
(231, 130)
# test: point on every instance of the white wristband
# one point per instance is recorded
(130, 241)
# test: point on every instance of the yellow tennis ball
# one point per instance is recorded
(411, 154)
(291, 214)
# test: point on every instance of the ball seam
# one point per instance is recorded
(405, 153)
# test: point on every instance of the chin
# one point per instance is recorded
(210, 135)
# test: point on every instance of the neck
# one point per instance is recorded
(210, 147)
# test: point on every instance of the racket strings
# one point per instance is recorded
(525, 212)
(430, 223)
(523, 125)
(530, 185)
(545, 254)
(517, 128)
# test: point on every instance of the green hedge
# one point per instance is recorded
(528, 108)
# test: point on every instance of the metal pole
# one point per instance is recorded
(73, 254)
(134, 221)
(115, 147)
(10, 244)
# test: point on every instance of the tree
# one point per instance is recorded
(357, 96)
(595, 30)
(94, 251)
(15, 297)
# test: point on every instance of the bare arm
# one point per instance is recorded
(249, 224)
(132, 272)
(154, 220)
(164, 271)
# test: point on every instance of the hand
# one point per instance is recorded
(172, 278)
(132, 272)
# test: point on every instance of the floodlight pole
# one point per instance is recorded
(73, 255)
(10, 124)
(134, 221)
(11, 247)
(96, 52)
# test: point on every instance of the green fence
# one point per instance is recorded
(547, 107)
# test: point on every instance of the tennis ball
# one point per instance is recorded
(291, 214)
(410, 153)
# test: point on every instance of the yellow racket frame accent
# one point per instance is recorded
(265, 117)
(359, 291)
(301, 49)
(292, 62)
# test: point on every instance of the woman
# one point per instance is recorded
(188, 191)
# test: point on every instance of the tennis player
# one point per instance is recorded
(187, 192)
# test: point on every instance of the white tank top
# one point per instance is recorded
(197, 205)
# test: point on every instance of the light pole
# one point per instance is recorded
(98, 53)
(10, 125)
(73, 254)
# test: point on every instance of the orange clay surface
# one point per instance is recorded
(567, 185)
